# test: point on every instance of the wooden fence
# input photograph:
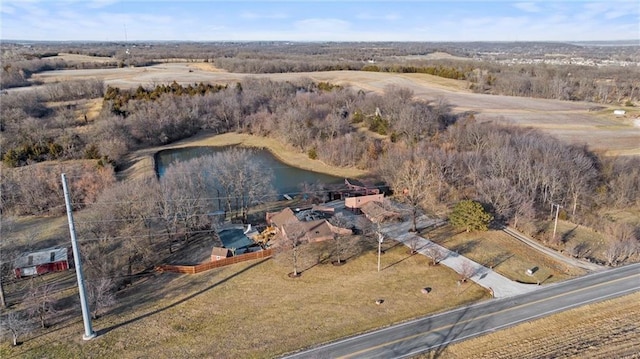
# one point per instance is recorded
(215, 264)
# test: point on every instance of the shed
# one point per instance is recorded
(234, 238)
(218, 253)
(47, 260)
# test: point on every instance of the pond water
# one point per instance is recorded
(286, 178)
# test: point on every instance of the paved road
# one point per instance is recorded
(500, 286)
(438, 331)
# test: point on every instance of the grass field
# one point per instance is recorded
(254, 310)
(504, 254)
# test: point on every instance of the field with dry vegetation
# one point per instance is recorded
(575, 122)
(603, 330)
(255, 310)
(505, 255)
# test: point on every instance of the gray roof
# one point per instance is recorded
(43, 256)
(234, 238)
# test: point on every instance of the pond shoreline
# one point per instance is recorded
(143, 163)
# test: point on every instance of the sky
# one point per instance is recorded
(321, 20)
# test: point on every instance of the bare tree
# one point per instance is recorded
(40, 301)
(467, 271)
(623, 243)
(292, 240)
(410, 183)
(101, 296)
(16, 325)
(343, 243)
(436, 254)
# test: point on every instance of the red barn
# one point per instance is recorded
(43, 261)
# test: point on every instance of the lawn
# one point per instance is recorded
(254, 310)
(504, 254)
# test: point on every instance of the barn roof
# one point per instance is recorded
(43, 256)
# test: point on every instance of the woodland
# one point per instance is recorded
(442, 157)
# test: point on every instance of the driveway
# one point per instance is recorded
(500, 286)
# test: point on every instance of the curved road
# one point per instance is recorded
(436, 332)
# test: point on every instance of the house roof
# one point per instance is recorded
(44, 256)
(377, 213)
(309, 231)
(279, 218)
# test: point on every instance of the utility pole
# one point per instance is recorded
(380, 239)
(88, 331)
(555, 226)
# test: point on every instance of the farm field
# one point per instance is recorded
(575, 122)
(602, 330)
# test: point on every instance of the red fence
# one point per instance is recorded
(215, 264)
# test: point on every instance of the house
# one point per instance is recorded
(355, 203)
(218, 253)
(277, 219)
(53, 259)
(376, 213)
(312, 231)
(304, 226)
(359, 188)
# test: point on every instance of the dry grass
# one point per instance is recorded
(571, 121)
(506, 255)
(254, 309)
(602, 330)
(570, 234)
(76, 58)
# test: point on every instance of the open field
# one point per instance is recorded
(602, 330)
(77, 58)
(504, 254)
(575, 122)
(254, 309)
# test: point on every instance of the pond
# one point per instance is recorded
(287, 179)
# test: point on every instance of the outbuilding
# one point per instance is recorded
(53, 259)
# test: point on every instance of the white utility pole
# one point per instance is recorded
(555, 226)
(380, 239)
(88, 331)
